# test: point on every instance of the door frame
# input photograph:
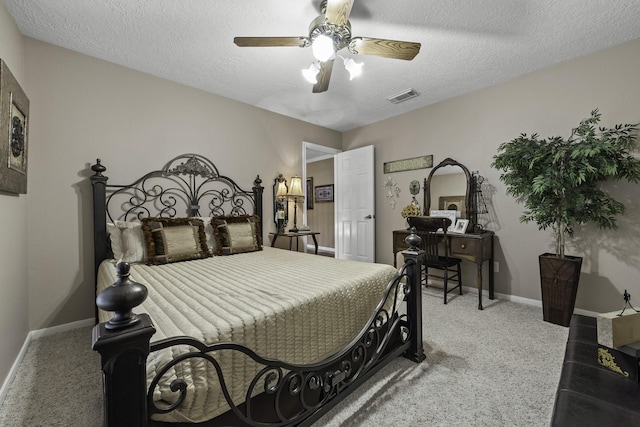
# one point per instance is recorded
(328, 152)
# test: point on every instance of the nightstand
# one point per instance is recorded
(292, 235)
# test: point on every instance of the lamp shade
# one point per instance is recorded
(295, 189)
(281, 192)
(354, 68)
(311, 73)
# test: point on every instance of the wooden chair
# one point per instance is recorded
(436, 246)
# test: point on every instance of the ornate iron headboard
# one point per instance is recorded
(188, 185)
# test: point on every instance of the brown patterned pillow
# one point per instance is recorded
(236, 234)
(174, 239)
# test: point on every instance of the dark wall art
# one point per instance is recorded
(14, 124)
(324, 193)
(309, 193)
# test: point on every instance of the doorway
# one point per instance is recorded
(318, 170)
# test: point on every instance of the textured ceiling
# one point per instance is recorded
(466, 45)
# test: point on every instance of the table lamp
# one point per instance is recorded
(296, 194)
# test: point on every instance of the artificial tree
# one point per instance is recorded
(559, 180)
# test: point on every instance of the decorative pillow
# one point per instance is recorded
(174, 239)
(127, 241)
(237, 234)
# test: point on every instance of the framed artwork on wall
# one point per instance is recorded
(309, 193)
(324, 193)
(14, 124)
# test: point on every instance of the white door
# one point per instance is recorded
(355, 204)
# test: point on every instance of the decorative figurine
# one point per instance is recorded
(627, 302)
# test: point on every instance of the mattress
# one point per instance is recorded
(294, 307)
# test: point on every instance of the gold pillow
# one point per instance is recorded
(236, 234)
(174, 239)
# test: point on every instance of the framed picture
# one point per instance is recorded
(446, 214)
(309, 193)
(324, 193)
(14, 124)
(453, 203)
(461, 226)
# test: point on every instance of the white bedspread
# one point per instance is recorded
(299, 308)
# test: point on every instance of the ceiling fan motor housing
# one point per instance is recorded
(340, 34)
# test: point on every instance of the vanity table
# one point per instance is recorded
(476, 247)
(451, 187)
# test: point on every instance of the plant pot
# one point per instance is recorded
(559, 282)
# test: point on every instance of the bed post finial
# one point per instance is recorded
(98, 168)
(121, 298)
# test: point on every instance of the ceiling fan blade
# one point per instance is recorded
(269, 41)
(386, 48)
(323, 77)
(338, 11)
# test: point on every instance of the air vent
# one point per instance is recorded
(403, 96)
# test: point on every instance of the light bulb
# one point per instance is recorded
(323, 48)
(353, 68)
(311, 73)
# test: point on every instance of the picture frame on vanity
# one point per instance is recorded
(324, 193)
(14, 124)
(461, 226)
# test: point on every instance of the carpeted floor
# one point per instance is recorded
(497, 367)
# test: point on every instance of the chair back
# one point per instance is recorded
(427, 228)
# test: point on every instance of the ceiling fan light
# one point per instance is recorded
(323, 48)
(354, 68)
(311, 73)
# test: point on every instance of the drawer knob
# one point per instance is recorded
(463, 246)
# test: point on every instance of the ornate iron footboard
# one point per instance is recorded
(297, 392)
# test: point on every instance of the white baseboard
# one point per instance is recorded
(528, 301)
(31, 336)
(14, 368)
(61, 328)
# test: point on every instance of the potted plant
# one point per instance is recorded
(559, 181)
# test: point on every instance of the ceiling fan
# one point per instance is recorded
(331, 32)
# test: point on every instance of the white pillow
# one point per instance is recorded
(127, 241)
(208, 231)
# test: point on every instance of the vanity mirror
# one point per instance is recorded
(448, 187)
(280, 203)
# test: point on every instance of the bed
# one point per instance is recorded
(251, 336)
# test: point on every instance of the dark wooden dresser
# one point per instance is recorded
(474, 247)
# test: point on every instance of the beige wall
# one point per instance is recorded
(14, 307)
(83, 108)
(470, 128)
(321, 217)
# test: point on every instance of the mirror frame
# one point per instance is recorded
(468, 199)
(277, 203)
